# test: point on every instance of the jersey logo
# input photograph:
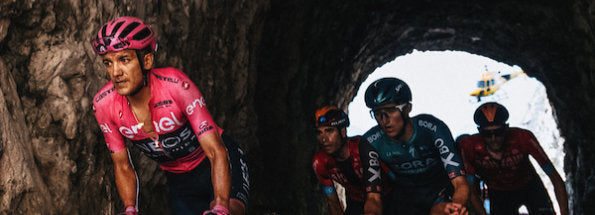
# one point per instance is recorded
(185, 85)
(443, 149)
(373, 137)
(200, 102)
(129, 132)
(427, 125)
(165, 103)
(166, 123)
(105, 128)
(373, 163)
(412, 151)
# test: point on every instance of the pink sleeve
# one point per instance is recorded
(188, 97)
(113, 138)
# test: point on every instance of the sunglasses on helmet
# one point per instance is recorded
(384, 112)
(114, 44)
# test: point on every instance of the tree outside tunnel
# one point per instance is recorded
(441, 84)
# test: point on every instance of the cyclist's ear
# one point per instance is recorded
(148, 61)
(343, 132)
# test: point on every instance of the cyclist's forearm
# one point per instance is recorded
(127, 184)
(221, 178)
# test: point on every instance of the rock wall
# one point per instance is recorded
(264, 67)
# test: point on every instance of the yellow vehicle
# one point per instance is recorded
(487, 85)
(490, 82)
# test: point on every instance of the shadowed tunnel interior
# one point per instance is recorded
(264, 67)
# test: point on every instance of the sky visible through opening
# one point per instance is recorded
(441, 81)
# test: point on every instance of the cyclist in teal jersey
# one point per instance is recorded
(419, 150)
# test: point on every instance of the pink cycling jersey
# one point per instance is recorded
(179, 116)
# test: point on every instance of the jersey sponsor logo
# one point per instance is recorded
(204, 130)
(245, 176)
(105, 128)
(373, 163)
(165, 103)
(173, 145)
(200, 102)
(374, 137)
(203, 125)
(445, 154)
(129, 132)
(104, 94)
(166, 123)
(427, 125)
(168, 79)
(416, 164)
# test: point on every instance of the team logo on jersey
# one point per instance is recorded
(165, 103)
(105, 128)
(200, 102)
(104, 94)
(203, 125)
(427, 125)
(445, 154)
(373, 163)
(374, 137)
(168, 79)
(185, 85)
(120, 114)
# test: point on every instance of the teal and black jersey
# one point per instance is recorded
(429, 157)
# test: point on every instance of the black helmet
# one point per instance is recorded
(387, 90)
(490, 113)
(331, 116)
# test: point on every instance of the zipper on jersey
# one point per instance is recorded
(155, 139)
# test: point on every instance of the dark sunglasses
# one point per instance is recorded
(499, 132)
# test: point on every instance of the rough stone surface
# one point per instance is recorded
(264, 67)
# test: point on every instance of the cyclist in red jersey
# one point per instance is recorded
(499, 155)
(351, 163)
(164, 114)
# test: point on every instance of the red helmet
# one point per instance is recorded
(124, 33)
(490, 113)
(331, 116)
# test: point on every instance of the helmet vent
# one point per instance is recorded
(128, 29)
(142, 34)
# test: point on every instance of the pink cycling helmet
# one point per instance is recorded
(124, 33)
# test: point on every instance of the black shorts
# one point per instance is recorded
(415, 200)
(533, 195)
(192, 192)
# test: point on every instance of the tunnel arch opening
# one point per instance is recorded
(442, 83)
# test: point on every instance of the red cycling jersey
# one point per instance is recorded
(179, 116)
(513, 170)
(350, 173)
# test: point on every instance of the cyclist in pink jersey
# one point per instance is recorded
(164, 114)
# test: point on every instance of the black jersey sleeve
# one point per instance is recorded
(371, 167)
(449, 154)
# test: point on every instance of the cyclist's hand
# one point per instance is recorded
(130, 211)
(452, 208)
(217, 210)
